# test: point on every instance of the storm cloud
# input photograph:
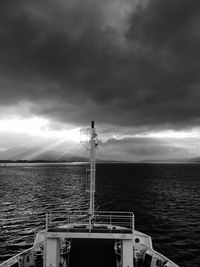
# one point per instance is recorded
(119, 62)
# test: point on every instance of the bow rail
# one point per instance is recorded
(101, 220)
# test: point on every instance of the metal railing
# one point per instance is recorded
(102, 220)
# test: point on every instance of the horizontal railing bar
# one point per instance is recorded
(86, 211)
(97, 216)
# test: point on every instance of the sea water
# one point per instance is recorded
(165, 199)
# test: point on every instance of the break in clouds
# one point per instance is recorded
(123, 63)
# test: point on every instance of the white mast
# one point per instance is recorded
(93, 143)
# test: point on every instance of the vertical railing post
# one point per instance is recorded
(90, 222)
(46, 221)
(110, 221)
(133, 222)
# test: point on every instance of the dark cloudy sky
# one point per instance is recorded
(133, 66)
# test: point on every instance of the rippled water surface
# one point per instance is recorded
(164, 197)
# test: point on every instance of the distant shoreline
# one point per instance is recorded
(101, 161)
(34, 161)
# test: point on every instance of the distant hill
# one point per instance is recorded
(192, 160)
(196, 160)
(37, 155)
(41, 154)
